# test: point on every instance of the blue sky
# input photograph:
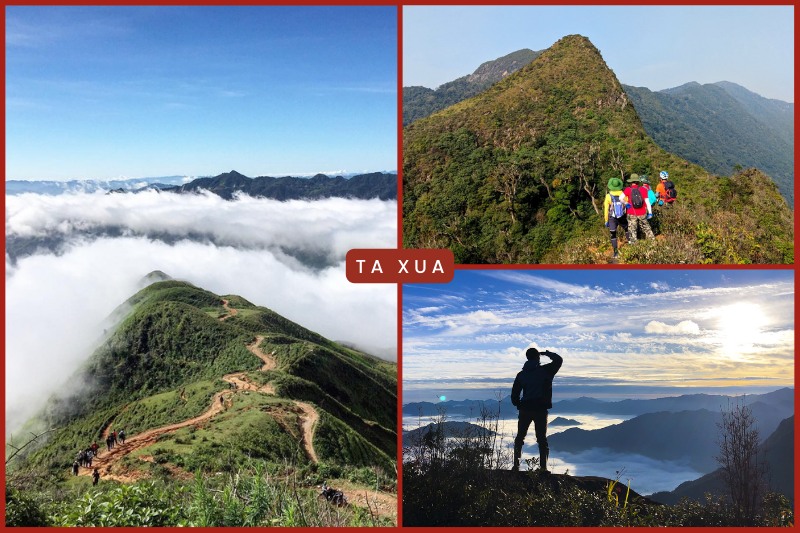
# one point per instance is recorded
(621, 332)
(103, 92)
(657, 47)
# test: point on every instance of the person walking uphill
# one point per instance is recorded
(535, 383)
(614, 210)
(638, 210)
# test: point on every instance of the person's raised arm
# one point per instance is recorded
(556, 359)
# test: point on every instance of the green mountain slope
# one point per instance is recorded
(517, 174)
(718, 126)
(708, 125)
(232, 380)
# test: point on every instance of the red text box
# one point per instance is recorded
(390, 265)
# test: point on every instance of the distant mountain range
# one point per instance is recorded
(717, 126)
(419, 102)
(365, 186)
(381, 185)
(722, 125)
(782, 400)
(690, 436)
(91, 186)
(449, 429)
(682, 429)
(658, 430)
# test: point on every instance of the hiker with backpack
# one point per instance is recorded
(666, 189)
(638, 210)
(121, 436)
(535, 383)
(614, 211)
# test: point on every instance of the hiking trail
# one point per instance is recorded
(381, 503)
(105, 458)
(231, 311)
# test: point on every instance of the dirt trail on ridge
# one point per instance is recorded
(309, 421)
(269, 359)
(231, 311)
(381, 503)
(106, 458)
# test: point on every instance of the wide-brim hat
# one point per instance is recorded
(634, 177)
(644, 179)
(615, 184)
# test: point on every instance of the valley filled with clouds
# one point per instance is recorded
(72, 259)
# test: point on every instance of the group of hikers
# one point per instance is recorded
(631, 207)
(85, 456)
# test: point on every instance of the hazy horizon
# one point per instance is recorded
(187, 177)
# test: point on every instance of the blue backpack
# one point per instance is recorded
(617, 208)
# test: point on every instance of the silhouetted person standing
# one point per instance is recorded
(535, 382)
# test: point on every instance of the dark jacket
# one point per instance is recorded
(535, 382)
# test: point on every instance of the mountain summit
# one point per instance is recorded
(518, 173)
(201, 382)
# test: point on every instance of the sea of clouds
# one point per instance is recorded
(646, 474)
(82, 255)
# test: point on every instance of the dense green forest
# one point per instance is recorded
(518, 174)
(215, 394)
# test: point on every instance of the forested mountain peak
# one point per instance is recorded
(518, 174)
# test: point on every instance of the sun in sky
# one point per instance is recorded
(740, 328)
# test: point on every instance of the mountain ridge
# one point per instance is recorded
(363, 186)
(735, 127)
(180, 348)
(517, 174)
(777, 451)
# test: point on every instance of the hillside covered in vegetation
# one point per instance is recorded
(518, 173)
(212, 391)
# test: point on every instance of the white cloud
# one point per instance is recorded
(540, 282)
(684, 327)
(329, 227)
